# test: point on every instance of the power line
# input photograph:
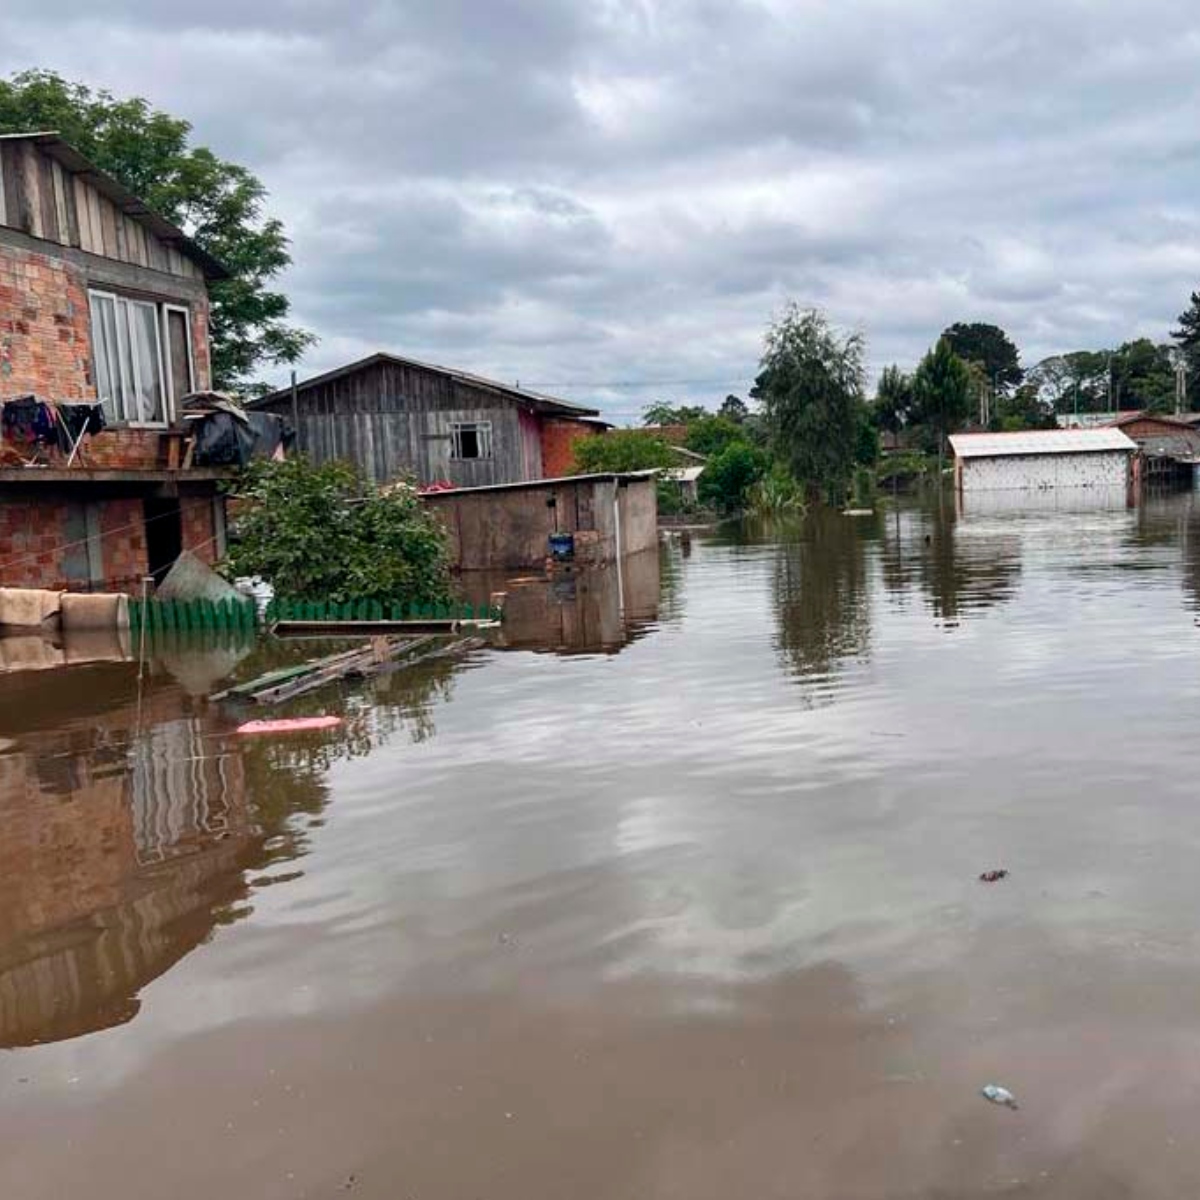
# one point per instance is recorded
(643, 383)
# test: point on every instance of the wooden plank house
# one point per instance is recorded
(395, 417)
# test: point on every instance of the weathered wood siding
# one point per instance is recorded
(509, 528)
(393, 419)
(41, 198)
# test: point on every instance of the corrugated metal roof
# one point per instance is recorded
(1040, 441)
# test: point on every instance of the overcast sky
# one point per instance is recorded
(608, 199)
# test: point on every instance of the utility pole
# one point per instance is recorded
(1180, 385)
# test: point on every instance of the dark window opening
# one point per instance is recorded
(472, 439)
(164, 536)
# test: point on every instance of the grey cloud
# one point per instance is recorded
(594, 193)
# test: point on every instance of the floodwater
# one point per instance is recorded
(685, 905)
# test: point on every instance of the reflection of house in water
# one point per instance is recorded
(121, 850)
(591, 610)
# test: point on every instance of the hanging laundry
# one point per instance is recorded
(28, 422)
(75, 420)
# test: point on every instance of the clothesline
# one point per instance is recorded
(31, 422)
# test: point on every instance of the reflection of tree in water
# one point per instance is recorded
(958, 569)
(822, 601)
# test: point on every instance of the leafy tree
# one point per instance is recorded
(710, 435)
(734, 409)
(941, 387)
(1144, 376)
(810, 383)
(893, 407)
(325, 533)
(1024, 409)
(728, 479)
(623, 450)
(866, 437)
(992, 348)
(219, 204)
(1072, 382)
(1188, 337)
(662, 413)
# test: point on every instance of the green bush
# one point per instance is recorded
(728, 478)
(776, 493)
(325, 533)
(622, 450)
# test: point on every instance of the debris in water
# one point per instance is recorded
(993, 876)
(998, 1095)
(289, 725)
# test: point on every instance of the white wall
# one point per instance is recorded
(1107, 469)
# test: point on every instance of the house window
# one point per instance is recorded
(472, 439)
(127, 345)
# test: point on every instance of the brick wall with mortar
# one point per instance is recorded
(199, 535)
(558, 445)
(45, 348)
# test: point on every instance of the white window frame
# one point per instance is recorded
(166, 349)
(483, 439)
(130, 385)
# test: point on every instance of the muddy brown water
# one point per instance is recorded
(683, 906)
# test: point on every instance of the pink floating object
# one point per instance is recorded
(289, 725)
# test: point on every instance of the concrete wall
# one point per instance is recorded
(1107, 469)
(509, 528)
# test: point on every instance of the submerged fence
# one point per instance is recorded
(375, 610)
(163, 615)
(241, 615)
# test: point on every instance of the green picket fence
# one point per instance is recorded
(161, 616)
(374, 610)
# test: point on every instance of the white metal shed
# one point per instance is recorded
(1039, 459)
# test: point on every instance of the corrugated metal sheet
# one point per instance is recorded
(1040, 441)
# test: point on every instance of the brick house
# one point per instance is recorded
(101, 301)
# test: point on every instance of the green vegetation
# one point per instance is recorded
(323, 533)
(811, 386)
(941, 393)
(219, 204)
(776, 494)
(992, 349)
(729, 478)
(623, 450)
(710, 435)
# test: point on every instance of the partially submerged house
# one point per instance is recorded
(1168, 447)
(103, 330)
(1042, 459)
(394, 416)
(509, 526)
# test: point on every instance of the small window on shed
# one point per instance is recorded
(472, 439)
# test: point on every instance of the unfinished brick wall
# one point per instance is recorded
(40, 543)
(45, 348)
(45, 327)
(198, 532)
(558, 445)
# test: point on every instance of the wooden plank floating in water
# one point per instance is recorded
(349, 628)
(373, 658)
